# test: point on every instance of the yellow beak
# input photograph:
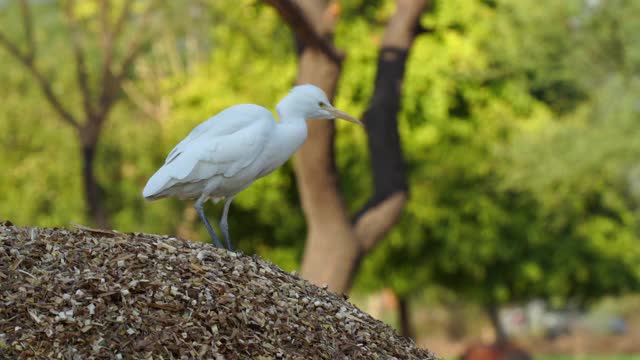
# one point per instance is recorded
(343, 115)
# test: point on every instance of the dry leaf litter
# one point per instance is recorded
(93, 294)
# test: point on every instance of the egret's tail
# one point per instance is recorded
(156, 185)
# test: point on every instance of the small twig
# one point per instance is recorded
(26, 273)
(28, 30)
(88, 229)
(34, 233)
(421, 29)
(149, 108)
(106, 36)
(28, 61)
(303, 28)
(109, 37)
(82, 75)
(14, 50)
(105, 9)
(120, 21)
(166, 307)
(113, 80)
(53, 99)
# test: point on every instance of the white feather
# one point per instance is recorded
(228, 152)
(222, 145)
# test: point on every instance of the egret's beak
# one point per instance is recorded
(343, 115)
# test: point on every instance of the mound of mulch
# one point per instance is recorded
(83, 294)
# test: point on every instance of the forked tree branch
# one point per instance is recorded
(121, 20)
(391, 189)
(110, 36)
(14, 50)
(98, 104)
(82, 76)
(335, 247)
(293, 15)
(28, 62)
(27, 22)
(105, 26)
(112, 80)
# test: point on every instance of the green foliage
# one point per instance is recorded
(459, 231)
(519, 165)
(595, 357)
(519, 123)
(37, 154)
(580, 167)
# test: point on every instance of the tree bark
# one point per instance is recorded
(89, 135)
(334, 244)
(96, 109)
(404, 314)
(305, 28)
(329, 247)
(458, 319)
(494, 316)
(93, 192)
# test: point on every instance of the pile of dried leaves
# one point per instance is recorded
(100, 294)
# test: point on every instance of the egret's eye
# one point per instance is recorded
(321, 104)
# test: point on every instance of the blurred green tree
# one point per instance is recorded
(518, 122)
(99, 77)
(336, 244)
(583, 175)
(516, 189)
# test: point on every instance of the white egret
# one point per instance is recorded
(225, 154)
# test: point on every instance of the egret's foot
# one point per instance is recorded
(204, 219)
(228, 241)
(227, 238)
(224, 225)
(216, 240)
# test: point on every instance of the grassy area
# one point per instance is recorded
(590, 357)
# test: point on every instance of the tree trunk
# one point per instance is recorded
(92, 191)
(458, 319)
(494, 316)
(330, 247)
(404, 314)
(334, 246)
(96, 108)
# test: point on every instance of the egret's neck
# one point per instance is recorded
(290, 134)
(290, 110)
(292, 129)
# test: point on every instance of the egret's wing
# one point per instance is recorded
(223, 145)
(194, 134)
(226, 122)
(221, 155)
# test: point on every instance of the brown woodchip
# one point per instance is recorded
(94, 294)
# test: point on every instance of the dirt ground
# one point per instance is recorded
(448, 331)
(88, 293)
(577, 344)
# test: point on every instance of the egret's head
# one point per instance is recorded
(310, 102)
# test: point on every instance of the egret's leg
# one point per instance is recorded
(223, 222)
(203, 217)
